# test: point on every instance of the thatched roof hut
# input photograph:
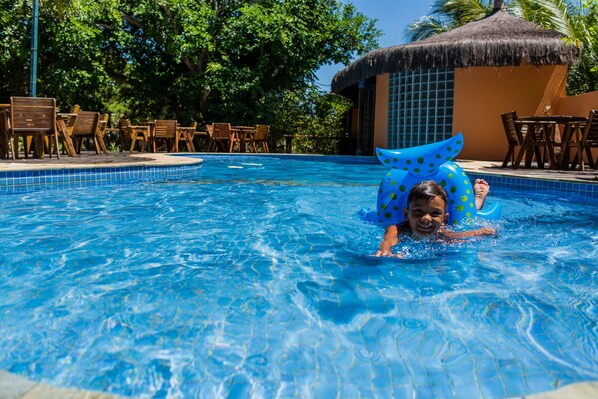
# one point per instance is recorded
(500, 39)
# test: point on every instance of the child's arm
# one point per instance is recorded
(391, 238)
(481, 232)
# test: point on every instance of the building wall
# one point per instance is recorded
(381, 113)
(577, 105)
(482, 94)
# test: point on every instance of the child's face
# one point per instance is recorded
(426, 217)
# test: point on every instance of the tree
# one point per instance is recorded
(187, 59)
(574, 19)
(309, 113)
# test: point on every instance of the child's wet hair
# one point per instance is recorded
(427, 190)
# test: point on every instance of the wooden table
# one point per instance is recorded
(243, 133)
(572, 134)
(543, 132)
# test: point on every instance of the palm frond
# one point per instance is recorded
(425, 27)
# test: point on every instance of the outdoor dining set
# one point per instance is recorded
(43, 128)
(550, 139)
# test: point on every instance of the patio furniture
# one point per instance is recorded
(514, 137)
(242, 135)
(32, 117)
(186, 134)
(538, 140)
(137, 133)
(261, 137)
(102, 128)
(4, 114)
(583, 136)
(164, 131)
(87, 125)
(222, 136)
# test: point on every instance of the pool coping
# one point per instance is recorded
(89, 169)
(15, 386)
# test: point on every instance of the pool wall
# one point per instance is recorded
(21, 181)
(13, 182)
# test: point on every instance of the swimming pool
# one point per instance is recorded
(254, 278)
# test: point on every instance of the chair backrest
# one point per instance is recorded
(261, 132)
(221, 131)
(165, 128)
(210, 130)
(32, 114)
(590, 132)
(86, 123)
(512, 133)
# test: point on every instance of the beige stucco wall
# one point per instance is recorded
(577, 105)
(381, 112)
(482, 94)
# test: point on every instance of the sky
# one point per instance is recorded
(393, 17)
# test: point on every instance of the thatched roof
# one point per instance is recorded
(500, 39)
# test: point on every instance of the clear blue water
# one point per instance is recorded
(255, 280)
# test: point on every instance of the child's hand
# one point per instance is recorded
(488, 231)
(387, 253)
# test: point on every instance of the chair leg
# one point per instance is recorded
(56, 144)
(133, 140)
(510, 154)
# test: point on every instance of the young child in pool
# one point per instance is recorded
(425, 216)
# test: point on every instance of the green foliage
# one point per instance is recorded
(310, 117)
(577, 20)
(186, 59)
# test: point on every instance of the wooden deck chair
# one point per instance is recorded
(222, 134)
(32, 117)
(262, 132)
(102, 132)
(588, 139)
(186, 134)
(87, 125)
(514, 137)
(137, 133)
(165, 130)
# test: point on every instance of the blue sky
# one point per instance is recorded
(393, 17)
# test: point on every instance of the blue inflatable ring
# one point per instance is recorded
(410, 166)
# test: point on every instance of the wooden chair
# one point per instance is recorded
(261, 137)
(165, 130)
(102, 131)
(222, 134)
(137, 133)
(32, 117)
(87, 125)
(4, 115)
(186, 134)
(514, 137)
(583, 137)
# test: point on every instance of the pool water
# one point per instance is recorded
(255, 279)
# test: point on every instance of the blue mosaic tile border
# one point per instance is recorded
(24, 181)
(589, 189)
(12, 182)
